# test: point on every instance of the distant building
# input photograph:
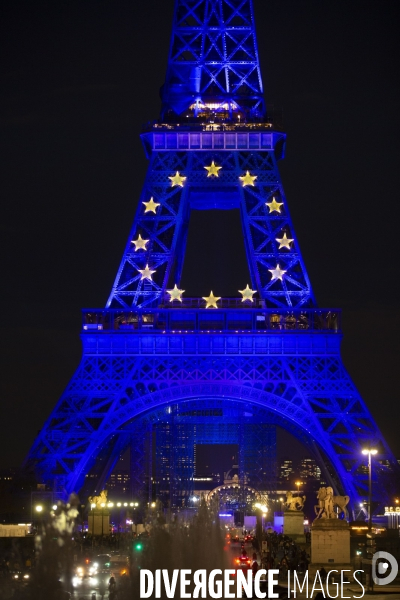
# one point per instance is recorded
(305, 470)
(205, 482)
(119, 482)
(20, 530)
(286, 470)
(309, 469)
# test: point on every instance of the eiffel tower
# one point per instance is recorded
(159, 365)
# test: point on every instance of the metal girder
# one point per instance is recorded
(213, 59)
(166, 229)
(310, 394)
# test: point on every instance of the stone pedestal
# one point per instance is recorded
(293, 525)
(330, 545)
(99, 522)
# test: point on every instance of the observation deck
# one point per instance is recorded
(190, 318)
(211, 136)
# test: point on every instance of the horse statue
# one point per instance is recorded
(325, 509)
(99, 500)
(294, 502)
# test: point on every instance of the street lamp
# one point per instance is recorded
(298, 483)
(370, 452)
(264, 510)
(39, 510)
(92, 507)
(264, 514)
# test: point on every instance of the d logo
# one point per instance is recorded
(384, 568)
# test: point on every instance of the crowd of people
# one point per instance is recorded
(280, 552)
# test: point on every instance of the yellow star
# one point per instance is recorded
(146, 273)
(212, 169)
(247, 294)
(277, 273)
(248, 179)
(284, 242)
(176, 294)
(139, 243)
(177, 179)
(211, 300)
(151, 206)
(274, 206)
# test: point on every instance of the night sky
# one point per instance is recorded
(78, 81)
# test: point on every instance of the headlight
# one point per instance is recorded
(16, 576)
(94, 581)
(26, 576)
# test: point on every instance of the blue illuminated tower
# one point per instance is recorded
(154, 359)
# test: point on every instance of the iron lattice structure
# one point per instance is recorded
(187, 153)
(277, 360)
(213, 59)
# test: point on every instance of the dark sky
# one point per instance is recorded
(78, 81)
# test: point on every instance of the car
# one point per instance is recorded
(242, 562)
(120, 565)
(22, 576)
(102, 560)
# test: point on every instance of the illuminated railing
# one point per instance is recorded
(194, 125)
(202, 320)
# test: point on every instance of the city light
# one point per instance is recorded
(370, 452)
(39, 508)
